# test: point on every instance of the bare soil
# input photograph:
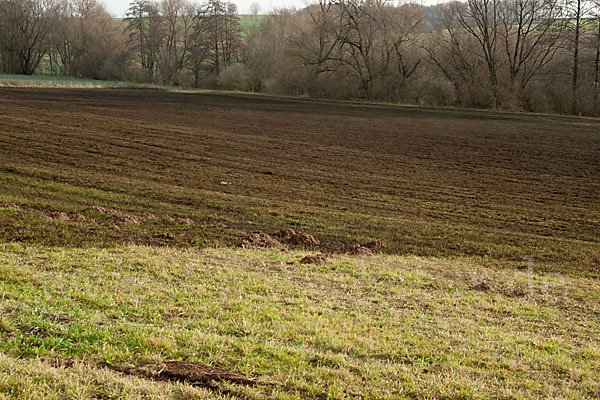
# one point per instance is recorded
(431, 182)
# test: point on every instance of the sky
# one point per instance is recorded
(119, 7)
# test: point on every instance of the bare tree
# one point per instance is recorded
(144, 24)
(530, 32)
(87, 42)
(481, 19)
(218, 23)
(25, 28)
(177, 21)
(578, 22)
(597, 60)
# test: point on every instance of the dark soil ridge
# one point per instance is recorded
(197, 373)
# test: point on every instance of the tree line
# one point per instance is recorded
(534, 55)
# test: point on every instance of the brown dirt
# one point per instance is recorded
(357, 249)
(127, 219)
(78, 217)
(260, 239)
(375, 245)
(10, 206)
(429, 182)
(484, 287)
(192, 372)
(60, 216)
(167, 236)
(297, 238)
(98, 209)
(185, 221)
(317, 259)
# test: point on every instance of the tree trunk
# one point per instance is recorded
(574, 102)
(597, 72)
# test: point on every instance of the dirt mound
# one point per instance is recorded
(10, 206)
(516, 292)
(127, 219)
(484, 287)
(191, 372)
(168, 236)
(98, 209)
(60, 216)
(359, 250)
(185, 221)
(260, 239)
(375, 245)
(317, 259)
(78, 217)
(297, 238)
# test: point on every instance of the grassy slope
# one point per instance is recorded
(379, 327)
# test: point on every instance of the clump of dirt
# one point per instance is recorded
(98, 209)
(260, 239)
(375, 245)
(167, 218)
(60, 216)
(516, 292)
(191, 372)
(166, 236)
(78, 217)
(185, 221)
(317, 259)
(359, 250)
(484, 287)
(127, 219)
(297, 238)
(148, 215)
(10, 206)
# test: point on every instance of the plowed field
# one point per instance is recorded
(97, 167)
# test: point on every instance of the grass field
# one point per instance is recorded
(47, 81)
(121, 212)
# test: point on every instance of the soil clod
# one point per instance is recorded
(168, 236)
(60, 216)
(78, 217)
(375, 245)
(127, 219)
(10, 206)
(191, 372)
(297, 238)
(359, 250)
(98, 209)
(260, 239)
(317, 259)
(484, 287)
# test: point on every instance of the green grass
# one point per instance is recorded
(68, 82)
(380, 327)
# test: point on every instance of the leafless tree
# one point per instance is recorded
(26, 27)
(530, 32)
